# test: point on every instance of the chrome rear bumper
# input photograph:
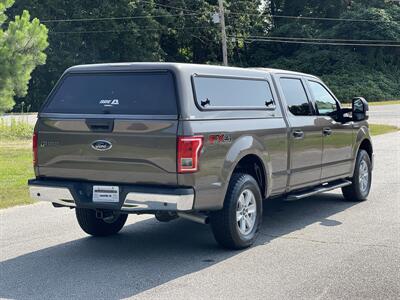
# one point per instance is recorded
(147, 201)
(57, 195)
(132, 198)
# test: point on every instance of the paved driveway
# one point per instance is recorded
(315, 248)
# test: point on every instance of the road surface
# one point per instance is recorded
(385, 114)
(315, 248)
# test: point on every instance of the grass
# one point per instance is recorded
(16, 169)
(16, 161)
(15, 130)
(384, 102)
(374, 103)
(377, 129)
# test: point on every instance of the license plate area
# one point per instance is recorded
(105, 194)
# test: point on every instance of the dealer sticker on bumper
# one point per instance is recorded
(104, 193)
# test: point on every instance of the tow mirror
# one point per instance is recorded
(359, 109)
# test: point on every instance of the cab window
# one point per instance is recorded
(296, 97)
(325, 104)
(232, 93)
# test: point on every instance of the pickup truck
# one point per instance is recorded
(204, 143)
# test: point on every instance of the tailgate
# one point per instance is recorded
(110, 127)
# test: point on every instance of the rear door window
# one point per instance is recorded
(146, 93)
(232, 93)
(296, 97)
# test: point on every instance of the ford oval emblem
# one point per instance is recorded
(101, 145)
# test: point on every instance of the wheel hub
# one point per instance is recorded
(363, 176)
(246, 212)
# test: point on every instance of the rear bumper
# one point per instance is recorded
(133, 198)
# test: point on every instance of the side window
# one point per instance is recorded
(296, 97)
(232, 93)
(326, 105)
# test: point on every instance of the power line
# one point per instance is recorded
(169, 6)
(116, 18)
(122, 31)
(320, 18)
(332, 19)
(316, 43)
(317, 39)
(188, 12)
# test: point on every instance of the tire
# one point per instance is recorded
(227, 228)
(361, 181)
(98, 227)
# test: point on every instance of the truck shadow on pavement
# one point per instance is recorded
(146, 254)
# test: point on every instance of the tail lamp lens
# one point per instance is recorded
(35, 148)
(188, 153)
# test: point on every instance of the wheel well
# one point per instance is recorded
(366, 145)
(251, 164)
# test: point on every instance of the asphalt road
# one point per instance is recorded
(315, 248)
(385, 114)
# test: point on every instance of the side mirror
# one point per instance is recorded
(359, 109)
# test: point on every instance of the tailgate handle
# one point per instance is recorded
(100, 125)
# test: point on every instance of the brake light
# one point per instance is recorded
(188, 153)
(35, 148)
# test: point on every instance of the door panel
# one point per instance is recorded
(337, 148)
(337, 137)
(305, 152)
(305, 133)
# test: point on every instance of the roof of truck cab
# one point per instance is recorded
(281, 71)
(193, 68)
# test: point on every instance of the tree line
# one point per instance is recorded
(354, 45)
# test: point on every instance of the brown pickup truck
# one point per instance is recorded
(205, 143)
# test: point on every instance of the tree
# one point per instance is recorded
(372, 72)
(134, 38)
(99, 31)
(22, 47)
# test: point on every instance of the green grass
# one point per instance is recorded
(377, 129)
(384, 102)
(374, 103)
(15, 130)
(15, 169)
(15, 162)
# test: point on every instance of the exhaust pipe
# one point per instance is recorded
(202, 219)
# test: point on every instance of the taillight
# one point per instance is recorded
(35, 148)
(188, 153)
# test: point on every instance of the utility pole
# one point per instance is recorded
(223, 32)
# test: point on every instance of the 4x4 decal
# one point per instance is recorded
(219, 139)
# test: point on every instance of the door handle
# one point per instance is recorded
(298, 134)
(100, 125)
(327, 131)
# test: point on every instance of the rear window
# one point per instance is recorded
(150, 93)
(232, 93)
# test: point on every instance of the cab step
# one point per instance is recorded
(317, 190)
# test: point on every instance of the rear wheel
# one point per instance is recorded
(361, 181)
(236, 226)
(99, 227)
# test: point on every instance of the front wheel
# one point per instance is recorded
(99, 227)
(361, 181)
(236, 226)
